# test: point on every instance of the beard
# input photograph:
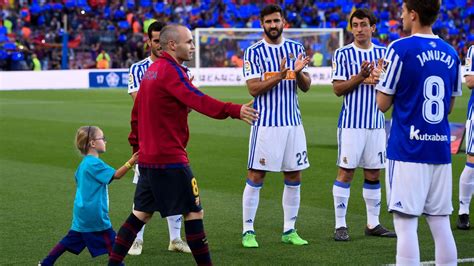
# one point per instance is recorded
(273, 37)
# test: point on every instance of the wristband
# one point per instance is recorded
(128, 165)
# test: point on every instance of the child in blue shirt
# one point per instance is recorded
(91, 225)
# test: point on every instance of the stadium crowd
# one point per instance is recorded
(111, 33)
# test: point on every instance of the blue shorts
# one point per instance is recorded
(98, 243)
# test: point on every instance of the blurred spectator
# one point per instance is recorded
(36, 63)
(103, 60)
(118, 26)
(317, 59)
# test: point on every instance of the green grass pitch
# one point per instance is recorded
(38, 161)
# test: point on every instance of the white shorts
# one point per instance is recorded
(470, 137)
(136, 174)
(361, 147)
(278, 149)
(419, 188)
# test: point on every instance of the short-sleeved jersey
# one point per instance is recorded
(278, 106)
(359, 108)
(422, 72)
(91, 204)
(136, 73)
(470, 72)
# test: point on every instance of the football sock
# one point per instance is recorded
(54, 254)
(466, 188)
(291, 204)
(250, 201)
(408, 251)
(124, 240)
(197, 241)
(140, 233)
(372, 197)
(445, 247)
(174, 226)
(341, 192)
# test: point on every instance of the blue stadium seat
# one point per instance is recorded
(124, 24)
(3, 30)
(145, 3)
(3, 38)
(3, 54)
(159, 7)
(9, 46)
(17, 56)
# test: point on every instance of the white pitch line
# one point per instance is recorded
(459, 261)
(466, 260)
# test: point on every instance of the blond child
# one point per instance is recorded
(91, 225)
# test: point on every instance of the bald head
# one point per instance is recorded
(177, 40)
(169, 33)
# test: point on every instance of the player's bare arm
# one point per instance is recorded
(257, 86)
(384, 101)
(302, 79)
(134, 95)
(343, 87)
(470, 81)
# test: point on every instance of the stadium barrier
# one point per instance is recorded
(118, 78)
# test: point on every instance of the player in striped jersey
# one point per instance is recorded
(360, 133)
(135, 76)
(466, 181)
(422, 74)
(274, 68)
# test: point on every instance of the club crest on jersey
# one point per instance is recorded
(291, 56)
(247, 66)
(334, 66)
(384, 69)
(468, 63)
(130, 79)
(262, 161)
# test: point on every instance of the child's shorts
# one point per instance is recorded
(98, 243)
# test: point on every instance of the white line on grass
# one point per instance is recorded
(466, 260)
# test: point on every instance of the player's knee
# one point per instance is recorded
(292, 176)
(143, 216)
(372, 174)
(345, 175)
(194, 215)
(256, 177)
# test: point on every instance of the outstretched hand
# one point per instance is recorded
(248, 114)
(301, 62)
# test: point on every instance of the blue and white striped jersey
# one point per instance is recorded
(279, 106)
(422, 72)
(359, 109)
(136, 72)
(470, 71)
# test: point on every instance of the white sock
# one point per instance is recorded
(250, 201)
(372, 197)
(174, 226)
(341, 192)
(291, 204)
(408, 251)
(445, 247)
(466, 188)
(140, 234)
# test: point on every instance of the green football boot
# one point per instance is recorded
(291, 237)
(248, 240)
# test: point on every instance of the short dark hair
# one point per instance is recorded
(270, 9)
(155, 26)
(362, 13)
(427, 10)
